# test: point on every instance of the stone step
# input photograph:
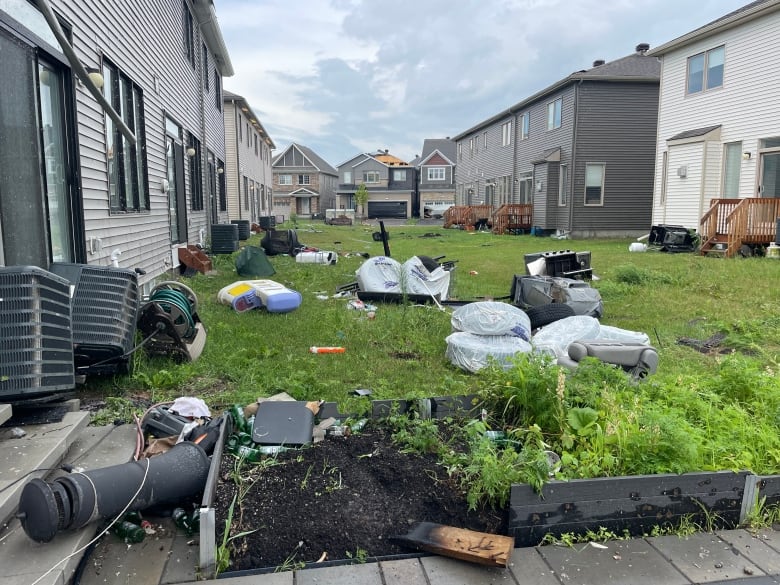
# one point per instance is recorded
(90, 448)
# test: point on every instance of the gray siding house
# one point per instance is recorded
(436, 177)
(390, 181)
(122, 165)
(304, 183)
(248, 147)
(581, 151)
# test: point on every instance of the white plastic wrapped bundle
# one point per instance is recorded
(492, 318)
(380, 274)
(624, 335)
(554, 339)
(418, 280)
(472, 352)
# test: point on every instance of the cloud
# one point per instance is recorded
(346, 76)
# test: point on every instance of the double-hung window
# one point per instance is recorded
(594, 184)
(347, 177)
(525, 125)
(554, 114)
(705, 70)
(128, 185)
(506, 133)
(303, 179)
(370, 177)
(285, 179)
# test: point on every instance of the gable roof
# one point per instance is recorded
(445, 146)
(738, 17)
(315, 159)
(637, 67)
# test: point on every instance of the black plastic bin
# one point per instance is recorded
(36, 343)
(267, 222)
(104, 310)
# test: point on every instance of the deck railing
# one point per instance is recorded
(742, 221)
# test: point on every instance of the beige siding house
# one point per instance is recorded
(248, 147)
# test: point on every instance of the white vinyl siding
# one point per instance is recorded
(746, 108)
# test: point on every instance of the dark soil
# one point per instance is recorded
(344, 496)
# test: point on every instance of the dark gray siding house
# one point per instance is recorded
(581, 151)
(122, 169)
(391, 185)
(436, 177)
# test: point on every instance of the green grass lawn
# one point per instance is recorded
(726, 405)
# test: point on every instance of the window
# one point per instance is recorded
(347, 177)
(240, 128)
(128, 185)
(221, 185)
(525, 188)
(664, 171)
(506, 133)
(255, 144)
(189, 34)
(285, 179)
(246, 192)
(732, 162)
(303, 180)
(484, 140)
(399, 174)
(563, 178)
(554, 114)
(436, 174)
(370, 177)
(594, 184)
(705, 70)
(525, 125)
(471, 147)
(206, 67)
(196, 176)
(217, 90)
(460, 150)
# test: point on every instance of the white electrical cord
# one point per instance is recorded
(102, 532)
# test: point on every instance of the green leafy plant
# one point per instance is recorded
(361, 198)
(359, 556)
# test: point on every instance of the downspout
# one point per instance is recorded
(573, 155)
(78, 68)
(236, 117)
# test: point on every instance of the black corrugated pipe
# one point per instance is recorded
(75, 500)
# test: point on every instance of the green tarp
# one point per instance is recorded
(252, 261)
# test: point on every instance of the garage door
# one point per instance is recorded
(387, 209)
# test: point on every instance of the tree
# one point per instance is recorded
(361, 198)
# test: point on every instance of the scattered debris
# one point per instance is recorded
(710, 345)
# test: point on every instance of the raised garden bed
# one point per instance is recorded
(344, 498)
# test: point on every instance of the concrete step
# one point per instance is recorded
(55, 562)
(42, 447)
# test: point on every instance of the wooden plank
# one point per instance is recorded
(460, 543)
(633, 503)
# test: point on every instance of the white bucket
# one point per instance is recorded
(317, 257)
(773, 251)
(637, 247)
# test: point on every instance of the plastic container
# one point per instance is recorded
(773, 251)
(315, 349)
(318, 257)
(637, 247)
(245, 295)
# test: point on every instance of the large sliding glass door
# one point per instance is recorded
(36, 187)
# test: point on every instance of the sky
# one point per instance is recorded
(349, 76)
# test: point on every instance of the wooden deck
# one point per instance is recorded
(466, 216)
(512, 218)
(730, 224)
